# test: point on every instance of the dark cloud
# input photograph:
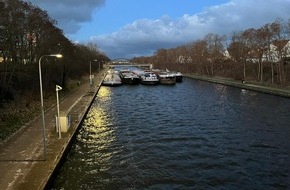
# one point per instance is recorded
(69, 14)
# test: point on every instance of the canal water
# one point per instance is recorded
(192, 135)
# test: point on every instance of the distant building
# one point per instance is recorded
(184, 59)
(279, 50)
(226, 54)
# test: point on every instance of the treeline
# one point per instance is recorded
(261, 54)
(26, 34)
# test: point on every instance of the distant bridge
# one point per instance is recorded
(127, 63)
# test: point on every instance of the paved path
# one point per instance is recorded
(22, 162)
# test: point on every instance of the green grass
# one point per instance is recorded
(10, 126)
(16, 115)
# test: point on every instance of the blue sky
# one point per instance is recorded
(115, 14)
(130, 28)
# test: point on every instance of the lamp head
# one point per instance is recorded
(57, 88)
(56, 55)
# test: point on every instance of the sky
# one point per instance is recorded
(133, 28)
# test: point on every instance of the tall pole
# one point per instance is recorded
(57, 104)
(90, 68)
(42, 108)
(91, 74)
(41, 98)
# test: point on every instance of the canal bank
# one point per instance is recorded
(24, 163)
(285, 92)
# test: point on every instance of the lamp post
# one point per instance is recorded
(91, 76)
(91, 81)
(41, 98)
(58, 88)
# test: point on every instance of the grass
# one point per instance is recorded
(16, 114)
(13, 118)
(10, 126)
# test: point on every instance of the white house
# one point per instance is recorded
(227, 54)
(184, 59)
(278, 50)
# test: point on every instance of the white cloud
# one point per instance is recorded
(145, 36)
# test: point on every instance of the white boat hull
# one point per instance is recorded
(149, 78)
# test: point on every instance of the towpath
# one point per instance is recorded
(22, 162)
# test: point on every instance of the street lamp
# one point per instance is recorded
(91, 82)
(91, 76)
(41, 98)
(58, 88)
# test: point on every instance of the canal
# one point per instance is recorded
(192, 135)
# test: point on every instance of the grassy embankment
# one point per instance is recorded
(283, 91)
(16, 114)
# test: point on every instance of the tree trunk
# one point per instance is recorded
(278, 73)
(272, 73)
(261, 70)
(212, 70)
(245, 70)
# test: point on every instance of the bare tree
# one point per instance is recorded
(238, 51)
(215, 49)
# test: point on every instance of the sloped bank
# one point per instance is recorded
(244, 85)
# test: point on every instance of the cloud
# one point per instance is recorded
(69, 14)
(144, 36)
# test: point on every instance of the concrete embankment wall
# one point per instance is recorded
(283, 92)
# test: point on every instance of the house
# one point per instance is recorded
(279, 50)
(227, 55)
(184, 59)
